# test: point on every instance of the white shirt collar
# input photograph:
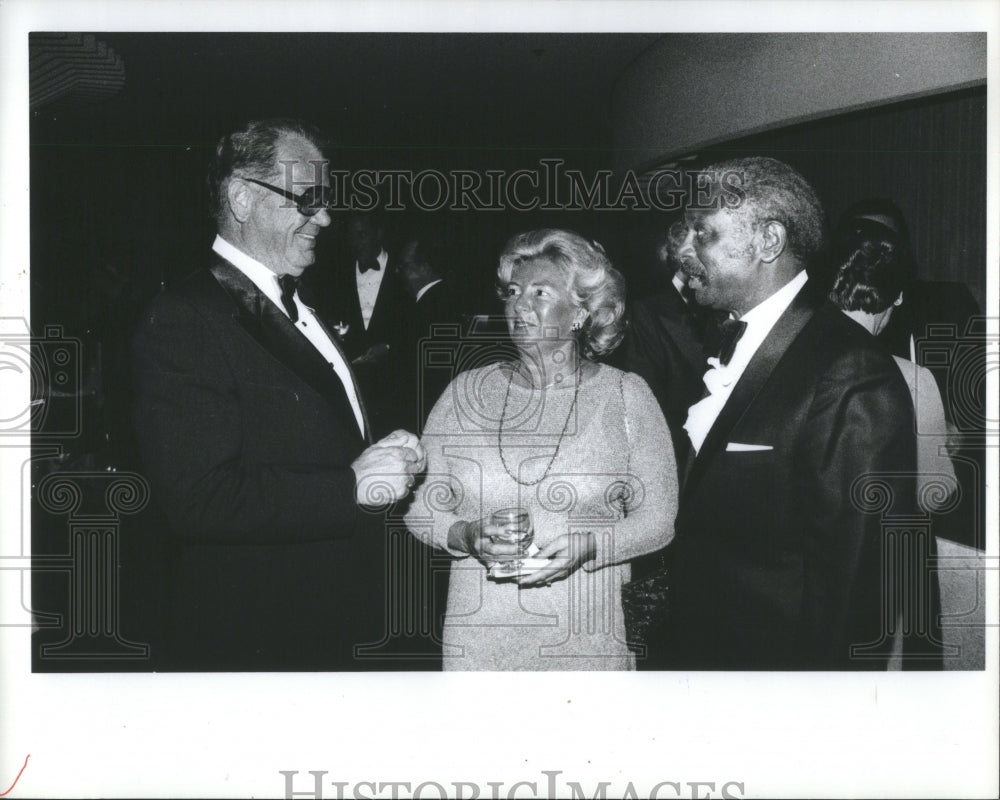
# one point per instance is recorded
(769, 310)
(721, 380)
(760, 319)
(265, 279)
(679, 283)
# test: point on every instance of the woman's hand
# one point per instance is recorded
(566, 555)
(481, 539)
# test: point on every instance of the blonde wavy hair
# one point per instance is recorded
(595, 285)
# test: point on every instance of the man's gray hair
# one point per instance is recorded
(772, 190)
(251, 151)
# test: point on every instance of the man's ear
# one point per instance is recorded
(899, 300)
(773, 239)
(239, 198)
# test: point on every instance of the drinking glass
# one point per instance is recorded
(516, 524)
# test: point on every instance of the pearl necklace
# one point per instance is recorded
(562, 433)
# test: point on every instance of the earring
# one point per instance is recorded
(576, 327)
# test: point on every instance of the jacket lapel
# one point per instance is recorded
(354, 380)
(353, 299)
(753, 379)
(276, 334)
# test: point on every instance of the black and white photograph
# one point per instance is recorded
(499, 400)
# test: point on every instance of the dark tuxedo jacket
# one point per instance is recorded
(247, 437)
(664, 345)
(775, 565)
(341, 304)
(437, 316)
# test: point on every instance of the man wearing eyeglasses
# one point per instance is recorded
(254, 435)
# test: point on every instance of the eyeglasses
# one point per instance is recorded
(309, 203)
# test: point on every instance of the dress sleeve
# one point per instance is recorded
(433, 510)
(648, 523)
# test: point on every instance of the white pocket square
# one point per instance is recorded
(739, 447)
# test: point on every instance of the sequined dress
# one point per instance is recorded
(614, 448)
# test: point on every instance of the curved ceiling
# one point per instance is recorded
(688, 91)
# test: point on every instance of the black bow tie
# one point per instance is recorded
(731, 330)
(288, 284)
(364, 266)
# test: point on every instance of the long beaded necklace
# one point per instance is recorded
(562, 434)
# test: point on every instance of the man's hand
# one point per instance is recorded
(386, 471)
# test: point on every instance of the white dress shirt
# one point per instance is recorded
(369, 283)
(679, 284)
(721, 380)
(308, 325)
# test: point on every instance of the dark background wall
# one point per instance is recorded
(118, 205)
(117, 181)
(113, 219)
(928, 155)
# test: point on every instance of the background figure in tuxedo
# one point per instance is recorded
(928, 309)
(373, 311)
(254, 437)
(665, 344)
(775, 564)
(437, 311)
(666, 340)
(416, 387)
(924, 303)
(872, 262)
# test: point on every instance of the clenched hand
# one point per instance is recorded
(386, 471)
